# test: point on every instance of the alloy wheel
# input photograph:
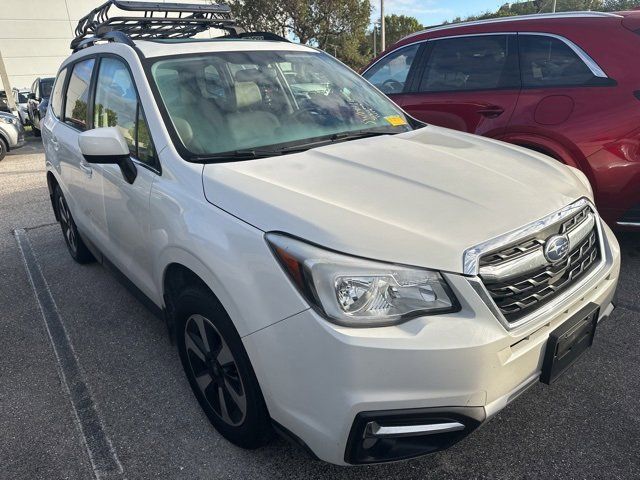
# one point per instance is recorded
(215, 370)
(66, 222)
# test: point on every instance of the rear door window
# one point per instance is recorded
(478, 62)
(75, 111)
(391, 72)
(549, 62)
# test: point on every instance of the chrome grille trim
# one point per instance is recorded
(512, 266)
(473, 254)
(531, 291)
(471, 257)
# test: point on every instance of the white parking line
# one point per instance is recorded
(102, 455)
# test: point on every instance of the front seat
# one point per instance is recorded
(251, 125)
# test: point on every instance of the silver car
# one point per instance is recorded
(11, 133)
(21, 97)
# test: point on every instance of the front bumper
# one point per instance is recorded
(319, 378)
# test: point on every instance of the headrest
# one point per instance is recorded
(185, 132)
(247, 94)
(256, 75)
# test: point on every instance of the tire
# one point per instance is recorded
(3, 149)
(76, 246)
(36, 132)
(219, 367)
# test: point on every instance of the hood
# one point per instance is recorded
(419, 198)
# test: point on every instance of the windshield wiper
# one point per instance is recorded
(253, 153)
(246, 154)
(335, 138)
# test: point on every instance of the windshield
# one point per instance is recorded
(46, 86)
(233, 101)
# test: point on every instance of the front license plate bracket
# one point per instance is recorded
(568, 342)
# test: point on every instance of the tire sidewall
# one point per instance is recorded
(255, 428)
(3, 149)
(82, 254)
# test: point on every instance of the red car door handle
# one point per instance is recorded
(492, 111)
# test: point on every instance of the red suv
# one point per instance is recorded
(567, 85)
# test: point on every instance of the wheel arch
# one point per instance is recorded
(52, 183)
(562, 151)
(5, 140)
(183, 269)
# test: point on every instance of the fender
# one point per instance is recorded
(176, 254)
(560, 149)
(6, 141)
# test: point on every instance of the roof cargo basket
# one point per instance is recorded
(154, 20)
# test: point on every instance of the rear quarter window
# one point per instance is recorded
(57, 95)
(549, 62)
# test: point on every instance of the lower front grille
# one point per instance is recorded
(519, 283)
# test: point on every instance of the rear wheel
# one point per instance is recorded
(218, 369)
(77, 248)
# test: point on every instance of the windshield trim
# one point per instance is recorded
(187, 155)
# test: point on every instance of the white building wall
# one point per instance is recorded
(35, 35)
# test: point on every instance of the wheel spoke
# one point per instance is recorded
(238, 399)
(224, 412)
(203, 332)
(224, 356)
(204, 381)
(194, 347)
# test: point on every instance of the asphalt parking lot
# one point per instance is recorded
(587, 425)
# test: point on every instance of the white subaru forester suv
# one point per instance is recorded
(372, 288)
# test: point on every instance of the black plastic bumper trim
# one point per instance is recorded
(362, 449)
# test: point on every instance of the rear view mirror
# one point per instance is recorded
(108, 146)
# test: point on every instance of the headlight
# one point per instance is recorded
(10, 120)
(357, 292)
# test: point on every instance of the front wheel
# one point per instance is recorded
(218, 369)
(76, 246)
(3, 150)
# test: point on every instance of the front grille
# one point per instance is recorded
(520, 279)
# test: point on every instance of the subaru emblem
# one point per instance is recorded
(556, 248)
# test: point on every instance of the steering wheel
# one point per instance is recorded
(313, 112)
(392, 86)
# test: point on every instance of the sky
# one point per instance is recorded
(434, 12)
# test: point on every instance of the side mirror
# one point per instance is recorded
(108, 146)
(31, 96)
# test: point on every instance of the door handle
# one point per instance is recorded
(491, 111)
(88, 171)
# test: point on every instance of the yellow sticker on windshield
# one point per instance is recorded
(396, 120)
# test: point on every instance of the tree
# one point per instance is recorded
(542, 6)
(619, 5)
(397, 27)
(310, 21)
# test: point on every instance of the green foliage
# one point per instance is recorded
(332, 25)
(619, 5)
(545, 6)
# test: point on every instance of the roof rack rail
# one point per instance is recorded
(158, 20)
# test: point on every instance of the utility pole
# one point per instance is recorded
(553, 9)
(382, 32)
(7, 86)
(375, 41)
